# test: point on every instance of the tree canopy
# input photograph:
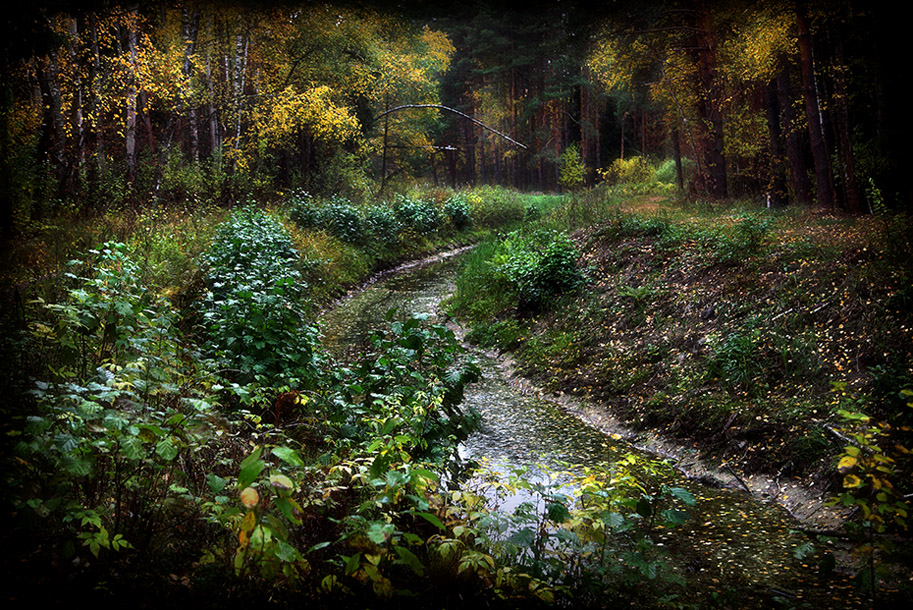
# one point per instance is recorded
(137, 103)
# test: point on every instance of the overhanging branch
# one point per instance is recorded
(462, 114)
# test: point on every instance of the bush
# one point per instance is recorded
(303, 210)
(381, 224)
(421, 216)
(254, 309)
(634, 170)
(118, 410)
(457, 211)
(342, 219)
(736, 359)
(747, 240)
(573, 171)
(538, 266)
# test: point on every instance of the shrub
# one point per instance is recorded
(665, 171)
(538, 266)
(735, 359)
(457, 211)
(116, 413)
(421, 216)
(303, 209)
(342, 219)
(573, 171)
(494, 207)
(634, 170)
(747, 240)
(254, 309)
(532, 213)
(381, 224)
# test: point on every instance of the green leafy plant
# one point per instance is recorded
(632, 170)
(583, 533)
(747, 240)
(381, 224)
(254, 311)
(537, 266)
(457, 211)
(99, 456)
(303, 209)
(572, 172)
(421, 216)
(340, 218)
(875, 470)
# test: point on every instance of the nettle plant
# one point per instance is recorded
(457, 211)
(409, 385)
(537, 266)
(115, 411)
(422, 217)
(392, 422)
(254, 311)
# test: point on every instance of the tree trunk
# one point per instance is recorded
(847, 158)
(709, 109)
(77, 160)
(383, 163)
(190, 26)
(677, 155)
(823, 176)
(777, 193)
(215, 137)
(798, 170)
(51, 142)
(239, 76)
(6, 173)
(130, 133)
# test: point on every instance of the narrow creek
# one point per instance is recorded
(731, 541)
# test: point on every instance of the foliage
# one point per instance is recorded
(875, 469)
(634, 170)
(343, 220)
(747, 240)
(410, 383)
(381, 224)
(303, 209)
(421, 216)
(114, 416)
(253, 312)
(457, 211)
(537, 266)
(493, 207)
(572, 169)
(583, 533)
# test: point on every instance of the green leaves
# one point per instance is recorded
(287, 455)
(251, 467)
(254, 311)
(537, 266)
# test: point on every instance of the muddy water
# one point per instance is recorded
(732, 542)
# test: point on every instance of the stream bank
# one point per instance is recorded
(738, 539)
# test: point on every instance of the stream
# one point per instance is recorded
(730, 539)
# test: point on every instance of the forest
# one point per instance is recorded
(388, 304)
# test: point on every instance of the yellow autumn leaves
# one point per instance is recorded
(290, 111)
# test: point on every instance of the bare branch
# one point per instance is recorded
(462, 114)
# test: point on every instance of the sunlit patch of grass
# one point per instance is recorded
(329, 263)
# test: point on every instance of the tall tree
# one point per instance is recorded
(813, 111)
